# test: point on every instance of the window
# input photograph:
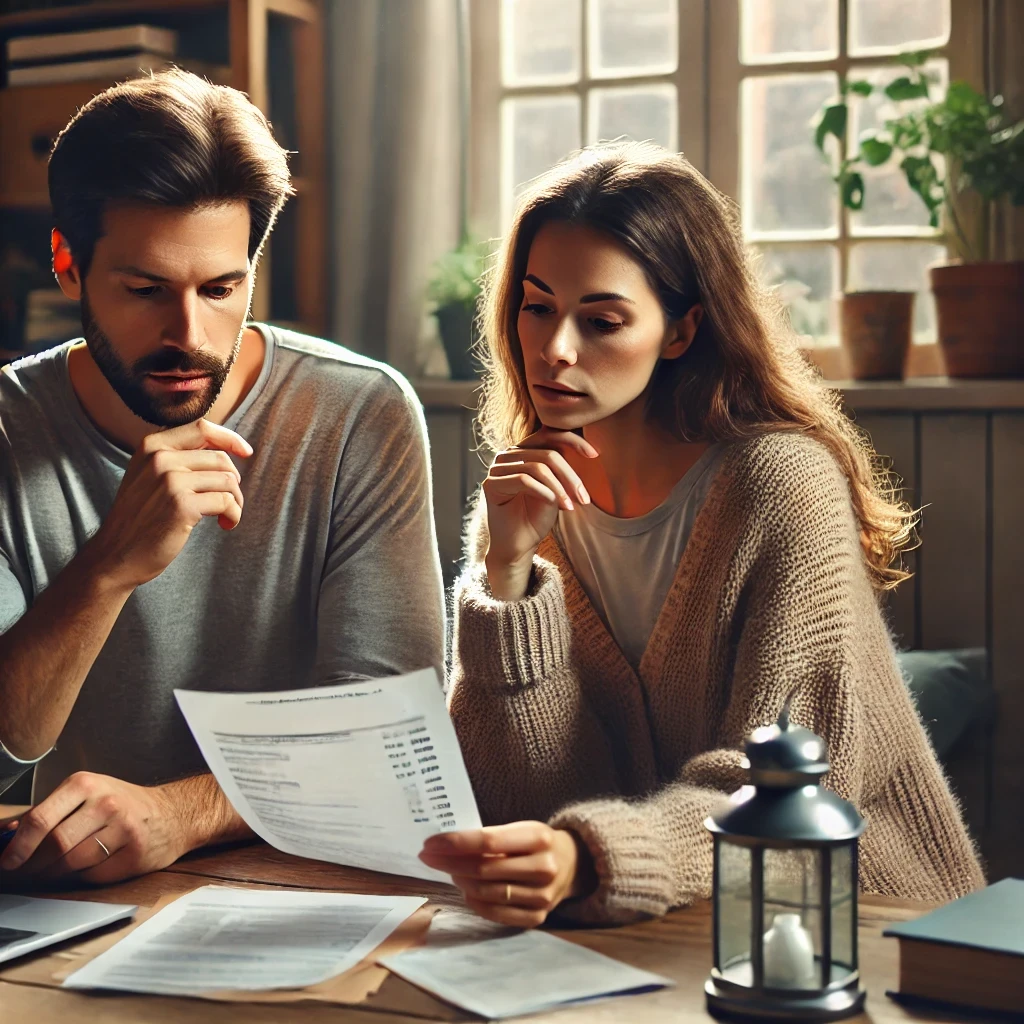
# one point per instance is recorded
(775, 64)
(734, 84)
(565, 73)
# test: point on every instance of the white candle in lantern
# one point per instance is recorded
(789, 954)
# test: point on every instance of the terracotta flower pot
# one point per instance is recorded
(981, 317)
(875, 332)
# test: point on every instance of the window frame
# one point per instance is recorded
(965, 53)
(488, 91)
(708, 81)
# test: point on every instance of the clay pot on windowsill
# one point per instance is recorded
(875, 332)
(981, 317)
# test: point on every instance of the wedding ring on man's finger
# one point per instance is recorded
(106, 852)
(508, 892)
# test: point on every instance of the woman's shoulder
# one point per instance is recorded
(787, 471)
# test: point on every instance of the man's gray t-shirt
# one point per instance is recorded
(331, 575)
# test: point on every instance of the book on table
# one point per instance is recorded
(968, 953)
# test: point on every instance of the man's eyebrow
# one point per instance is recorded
(595, 297)
(230, 276)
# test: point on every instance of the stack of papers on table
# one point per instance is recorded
(498, 973)
(218, 939)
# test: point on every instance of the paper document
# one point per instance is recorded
(218, 938)
(358, 774)
(524, 972)
(28, 923)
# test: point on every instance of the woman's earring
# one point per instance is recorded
(61, 254)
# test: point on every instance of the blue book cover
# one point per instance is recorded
(991, 918)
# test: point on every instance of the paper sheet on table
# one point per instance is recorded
(358, 774)
(217, 939)
(513, 974)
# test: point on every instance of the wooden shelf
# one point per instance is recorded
(244, 29)
(101, 11)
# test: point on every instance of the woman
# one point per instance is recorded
(681, 527)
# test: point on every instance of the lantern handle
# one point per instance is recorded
(784, 713)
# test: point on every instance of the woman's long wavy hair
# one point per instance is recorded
(742, 375)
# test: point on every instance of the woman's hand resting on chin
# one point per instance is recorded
(513, 874)
(524, 489)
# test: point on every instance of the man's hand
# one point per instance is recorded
(514, 874)
(144, 828)
(139, 827)
(174, 479)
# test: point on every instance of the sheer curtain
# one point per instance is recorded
(394, 119)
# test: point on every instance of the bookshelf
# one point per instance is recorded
(274, 52)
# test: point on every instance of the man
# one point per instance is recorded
(186, 500)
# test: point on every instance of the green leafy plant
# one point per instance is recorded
(456, 275)
(945, 148)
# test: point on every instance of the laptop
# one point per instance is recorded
(28, 923)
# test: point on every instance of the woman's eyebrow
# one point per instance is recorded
(594, 297)
(605, 297)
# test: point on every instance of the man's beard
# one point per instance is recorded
(168, 410)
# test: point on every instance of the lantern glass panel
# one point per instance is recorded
(734, 911)
(843, 922)
(792, 918)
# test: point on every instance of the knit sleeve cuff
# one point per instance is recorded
(635, 879)
(512, 643)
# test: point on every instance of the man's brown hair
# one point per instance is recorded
(169, 139)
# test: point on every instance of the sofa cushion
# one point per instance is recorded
(951, 691)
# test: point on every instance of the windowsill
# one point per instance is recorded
(916, 394)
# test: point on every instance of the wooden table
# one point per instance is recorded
(677, 946)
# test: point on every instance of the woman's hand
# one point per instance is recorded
(514, 874)
(524, 490)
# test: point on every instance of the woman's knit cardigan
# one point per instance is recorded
(771, 591)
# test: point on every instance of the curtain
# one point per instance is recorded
(393, 76)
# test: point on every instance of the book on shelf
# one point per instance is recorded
(968, 954)
(119, 39)
(112, 69)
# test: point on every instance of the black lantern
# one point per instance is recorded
(785, 887)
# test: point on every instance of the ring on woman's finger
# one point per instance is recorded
(106, 852)
(508, 892)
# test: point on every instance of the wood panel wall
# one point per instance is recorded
(959, 450)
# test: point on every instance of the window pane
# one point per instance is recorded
(893, 25)
(541, 41)
(786, 184)
(898, 266)
(889, 202)
(806, 279)
(647, 112)
(780, 30)
(633, 37)
(536, 132)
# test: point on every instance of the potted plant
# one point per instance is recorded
(454, 289)
(961, 155)
(874, 326)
